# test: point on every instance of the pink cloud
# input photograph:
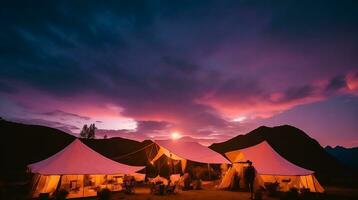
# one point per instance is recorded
(259, 103)
(352, 82)
(88, 107)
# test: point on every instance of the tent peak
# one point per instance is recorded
(78, 158)
(191, 151)
(266, 160)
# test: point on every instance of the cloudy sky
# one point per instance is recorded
(209, 70)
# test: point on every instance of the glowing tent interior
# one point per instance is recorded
(271, 167)
(183, 151)
(79, 170)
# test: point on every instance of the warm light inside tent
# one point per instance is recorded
(175, 135)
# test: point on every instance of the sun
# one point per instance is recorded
(239, 119)
(175, 135)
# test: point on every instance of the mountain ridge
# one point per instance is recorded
(347, 156)
(23, 144)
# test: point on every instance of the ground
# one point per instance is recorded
(341, 192)
(207, 194)
(142, 193)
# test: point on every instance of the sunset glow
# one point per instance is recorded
(239, 119)
(212, 70)
(179, 99)
(175, 135)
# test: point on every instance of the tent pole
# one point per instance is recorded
(156, 147)
(209, 171)
(185, 166)
(306, 181)
(83, 185)
(172, 165)
(47, 180)
(314, 184)
(35, 182)
(58, 187)
(159, 167)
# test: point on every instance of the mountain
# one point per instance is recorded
(23, 144)
(291, 143)
(347, 156)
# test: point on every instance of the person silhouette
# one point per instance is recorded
(250, 174)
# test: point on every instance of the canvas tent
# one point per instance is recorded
(79, 170)
(271, 167)
(183, 151)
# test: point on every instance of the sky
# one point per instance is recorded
(204, 70)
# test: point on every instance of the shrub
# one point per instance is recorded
(104, 194)
(61, 194)
(292, 194)
(272, 188)
(258, 194)
(306, 194)
(43, 197)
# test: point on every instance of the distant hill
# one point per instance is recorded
(23, 144)
(122, 150)
(347, 156)
(291, 143)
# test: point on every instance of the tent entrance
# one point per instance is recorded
(77, 185)
(285, 182)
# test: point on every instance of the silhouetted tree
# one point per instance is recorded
(84, 131)
(92, 131)
(88, 132)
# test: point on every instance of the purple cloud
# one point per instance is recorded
(213, 71)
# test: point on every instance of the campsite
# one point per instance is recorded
(179, 100)
(152, 161)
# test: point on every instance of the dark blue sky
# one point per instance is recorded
(206, 69)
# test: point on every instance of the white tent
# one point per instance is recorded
(80, 170)
(183, 151)
(270, 167)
